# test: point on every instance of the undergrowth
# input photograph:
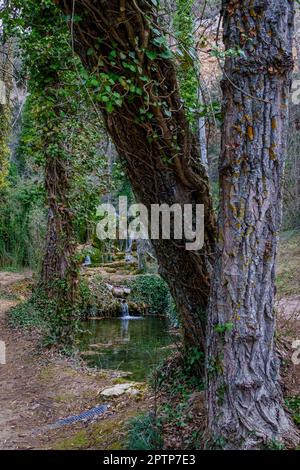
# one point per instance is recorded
(145, 433)
(152, 290)
(293, 403)
(56, 322)
(178, 393)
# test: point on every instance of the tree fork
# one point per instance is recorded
(162, 155)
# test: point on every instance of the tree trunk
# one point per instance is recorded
(59, 263)
(244, 396)
(58, 284)
(115, 39)
(5, 109)
(202, 134)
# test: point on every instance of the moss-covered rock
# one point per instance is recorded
(145, 295)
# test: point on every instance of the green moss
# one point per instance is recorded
(120, 380)
(64, 398)
(77, 441)
(47, 374)
(96, 296)
(107, 434)
(117, 445)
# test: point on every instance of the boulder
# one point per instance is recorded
(117, 390)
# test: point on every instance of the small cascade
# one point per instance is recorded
(125, 314)
(124, 309)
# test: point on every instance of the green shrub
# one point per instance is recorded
(293, 403)
(57, 321)
(22, 223)
(26, 315)
(144, 434)
(154, 292)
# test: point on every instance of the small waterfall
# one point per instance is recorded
(125, 314)
(124, 309)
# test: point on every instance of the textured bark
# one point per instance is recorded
(167, 169)
(59, 260)
(244, 396)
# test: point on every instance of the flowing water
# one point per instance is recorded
(127, 344)
(125, 310)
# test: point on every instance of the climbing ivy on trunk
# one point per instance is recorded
(47, 56)
(135, 86)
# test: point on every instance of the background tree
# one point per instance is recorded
(5, 107)
(61, 144)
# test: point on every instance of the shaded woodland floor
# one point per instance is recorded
(39, 387)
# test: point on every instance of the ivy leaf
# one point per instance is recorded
(160, 41)
(94, 82)
(109, 107)
(167, 54)
(152, 55)
(139, 91)
(104, 98)
(156, 31)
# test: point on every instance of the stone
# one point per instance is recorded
(117, 390)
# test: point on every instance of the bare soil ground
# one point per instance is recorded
(38, 387)
(288, 309)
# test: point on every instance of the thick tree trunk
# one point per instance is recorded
(59, 261)
(162, 156)
(57, 290)
(245, 401)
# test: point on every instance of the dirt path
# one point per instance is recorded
(37, 388)
(289, 307)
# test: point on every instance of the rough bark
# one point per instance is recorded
(244, 396)
(59, 261)
(165, 169)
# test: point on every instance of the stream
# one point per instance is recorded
(128, 344)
